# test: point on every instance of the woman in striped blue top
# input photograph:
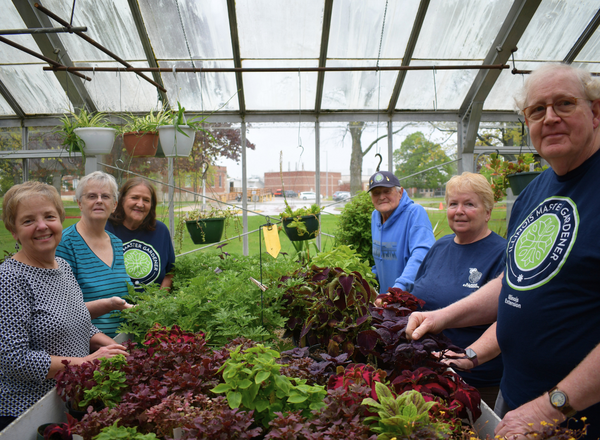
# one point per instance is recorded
(96, 256)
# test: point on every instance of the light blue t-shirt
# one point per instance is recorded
(96, 279)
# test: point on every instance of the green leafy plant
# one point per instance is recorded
(497, 169)
(115, 432)
(71, 121)
(399, 417)
(215, 295)
(148, 122)
(110, 383)
(354, 226)
(346, 258)
(253, 382)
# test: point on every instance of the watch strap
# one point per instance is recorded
(472, 356)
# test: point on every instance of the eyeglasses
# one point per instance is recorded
(91, 197)
(562, 107)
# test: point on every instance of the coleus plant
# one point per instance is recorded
(327, 306)
(401, 416)
(253, 382)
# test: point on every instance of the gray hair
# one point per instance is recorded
(589, 86)
(99, 177)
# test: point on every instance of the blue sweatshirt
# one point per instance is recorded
(400, 244)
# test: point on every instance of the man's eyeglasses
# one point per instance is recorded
(562, 107)
(91, 197)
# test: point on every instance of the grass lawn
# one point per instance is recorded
(328, 226)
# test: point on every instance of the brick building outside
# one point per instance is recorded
(300, 181)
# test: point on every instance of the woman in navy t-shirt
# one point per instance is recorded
(147, 245)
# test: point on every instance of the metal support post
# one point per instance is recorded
(171, 204)
(244, 191)
(390, 127)
(318, 173)
(25, 145)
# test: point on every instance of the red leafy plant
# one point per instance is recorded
(401, 301)
(356, 375)
(327, 306)
(58, 431)
(74, 380)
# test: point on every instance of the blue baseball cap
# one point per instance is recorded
(385, 179)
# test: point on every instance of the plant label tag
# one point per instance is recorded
(272, 240)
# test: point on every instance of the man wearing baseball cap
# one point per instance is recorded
(401, 231)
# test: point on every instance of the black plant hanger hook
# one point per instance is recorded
(380, 160)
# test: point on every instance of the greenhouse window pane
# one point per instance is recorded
(12, 20)
(280, 90)
(120, 91)
(358, 90)
(201, 24)
(199, 92)
(5, 109)
(554, 29)
(460, 29)
(276, 29)
(36, 91)
(109, 22)
(436, 89)
(591, 50)
(356, 28)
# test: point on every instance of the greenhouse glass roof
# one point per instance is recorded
(273, 60)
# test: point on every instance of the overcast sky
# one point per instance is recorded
(297, 147)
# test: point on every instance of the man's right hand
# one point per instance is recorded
(420, 323)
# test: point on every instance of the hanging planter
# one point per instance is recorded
(519, 181)
(294, 233)
(207, 230)
(97, 140)
(176, 141)
(141, 144)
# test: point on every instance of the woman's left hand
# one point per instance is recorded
(457, 361)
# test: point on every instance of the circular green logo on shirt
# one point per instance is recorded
(137, 263)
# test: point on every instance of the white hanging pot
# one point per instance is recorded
(98, 140)
(174, 143)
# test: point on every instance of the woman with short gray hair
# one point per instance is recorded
(96, 256)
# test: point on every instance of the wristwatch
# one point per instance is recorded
(472, 356)
(560, 401)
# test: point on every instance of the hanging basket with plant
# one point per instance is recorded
(503, 174)
(140, 135)
(177, 134)
(205, 227)
(301, 224)
(86, 133)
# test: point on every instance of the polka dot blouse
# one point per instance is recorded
(42, 313)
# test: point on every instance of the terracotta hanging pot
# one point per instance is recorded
(141, 143)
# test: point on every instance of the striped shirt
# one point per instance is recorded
(96, 279)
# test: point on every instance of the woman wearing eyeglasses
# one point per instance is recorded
(95, 255)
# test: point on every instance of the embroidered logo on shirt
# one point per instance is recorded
(541, 244)
(142, 262)
(474, 277)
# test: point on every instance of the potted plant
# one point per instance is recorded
(140, 135)
(87, 133)
(177, 134)
(204, 227)
(503, 174)
(302, 223)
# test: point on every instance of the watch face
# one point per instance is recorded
(558, 399)
(470, 353)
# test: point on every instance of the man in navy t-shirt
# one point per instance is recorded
(547, 304)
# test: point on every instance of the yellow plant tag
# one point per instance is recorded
(272, 240)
